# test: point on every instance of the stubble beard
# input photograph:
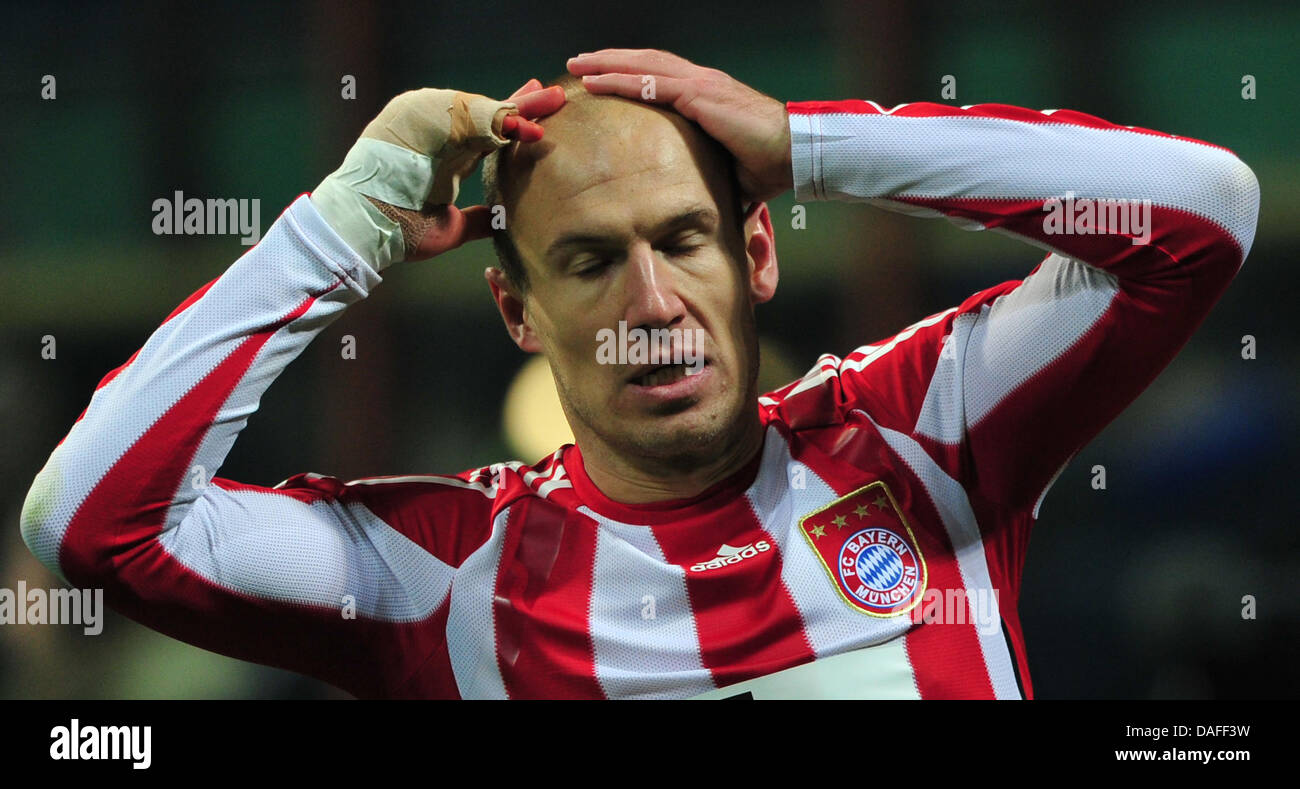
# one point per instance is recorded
(675, 440)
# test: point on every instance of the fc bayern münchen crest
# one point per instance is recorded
(868, 550)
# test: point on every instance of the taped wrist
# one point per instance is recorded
(412, 155)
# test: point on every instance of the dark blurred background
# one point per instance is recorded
(1130, 592)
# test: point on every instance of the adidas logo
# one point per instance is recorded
(729, 555)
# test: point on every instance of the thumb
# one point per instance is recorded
(445, 227)
(478, 223)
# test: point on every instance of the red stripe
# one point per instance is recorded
(433, 679)
(447, 521)
(947, 659)
(543, 595)
(845, 106)
(942, 662)
(113, 374)
(747, 622)
(809, 408)
(1006, 543)
(1179, 239)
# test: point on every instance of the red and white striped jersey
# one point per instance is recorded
(907, 472)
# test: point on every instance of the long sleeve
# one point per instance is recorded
(129, 502)
(1144, 231)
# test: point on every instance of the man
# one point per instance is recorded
(858, 533)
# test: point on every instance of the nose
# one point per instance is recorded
(652, 300)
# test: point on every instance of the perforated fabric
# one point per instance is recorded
(865, 156)
(471, 632)
(309, 553)
(631, 574)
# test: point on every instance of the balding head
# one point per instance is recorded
(590, 143)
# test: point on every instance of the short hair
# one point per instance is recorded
(497, 179)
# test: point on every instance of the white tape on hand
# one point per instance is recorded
(414, 153)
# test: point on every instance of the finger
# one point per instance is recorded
(540, 102)
(680, 94)
(528, 87)
(637, 61)
(634, 61)
(516, 127)
(449, 227)
(478, 223)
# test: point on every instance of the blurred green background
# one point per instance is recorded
(1131, 592)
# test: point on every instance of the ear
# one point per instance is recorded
(760, 250)
(511, 306)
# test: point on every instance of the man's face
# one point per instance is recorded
(627, 215)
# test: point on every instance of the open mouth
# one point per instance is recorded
(667, 374)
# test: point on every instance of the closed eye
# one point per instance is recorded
(589, 269)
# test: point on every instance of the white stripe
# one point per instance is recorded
(822, 372)
(310, 476)
(638, 657)
(471, 620)
(878, 156)
(555, 477)
(276, 547)
(878, 351)
(558, 479)
(532, 476)
(1048, 487)
(995, 351)
(454, 482)
(954, 509)
(879, 672)
(556, 484)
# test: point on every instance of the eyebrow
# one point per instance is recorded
(692, 217)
